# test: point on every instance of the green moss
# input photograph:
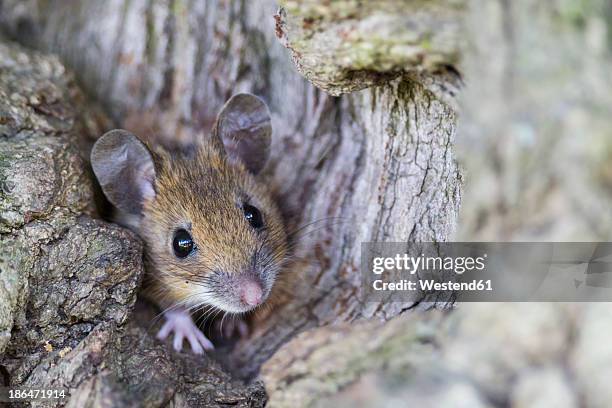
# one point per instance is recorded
(178, 8)
(426, 43)
(151, 40)
(577, 12)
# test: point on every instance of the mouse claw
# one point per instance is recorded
(180, 322)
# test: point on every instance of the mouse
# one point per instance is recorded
(213, 237)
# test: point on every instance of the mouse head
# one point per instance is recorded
(212, 234)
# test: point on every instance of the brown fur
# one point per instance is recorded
(204, 194)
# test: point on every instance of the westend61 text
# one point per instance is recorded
(429, 285)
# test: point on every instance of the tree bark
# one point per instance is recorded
(374, 165)
(347, 46)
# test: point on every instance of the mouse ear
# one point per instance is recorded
(125, 170)
(244, 127)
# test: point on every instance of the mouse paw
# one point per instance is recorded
(180, 322)
(232, 326)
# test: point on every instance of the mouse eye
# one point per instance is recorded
(182, 243)
(253, 216)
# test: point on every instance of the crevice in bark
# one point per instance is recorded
(372, 165)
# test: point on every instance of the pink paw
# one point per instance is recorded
(179, 321)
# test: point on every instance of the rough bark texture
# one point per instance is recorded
(44, 190)
(375, 165)
(346, 46)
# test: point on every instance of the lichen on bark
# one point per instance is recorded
(345, 46)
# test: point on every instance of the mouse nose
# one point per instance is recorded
(251, 293)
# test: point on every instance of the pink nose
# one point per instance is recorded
(251, 293)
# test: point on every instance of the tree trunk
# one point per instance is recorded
(373, 165)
